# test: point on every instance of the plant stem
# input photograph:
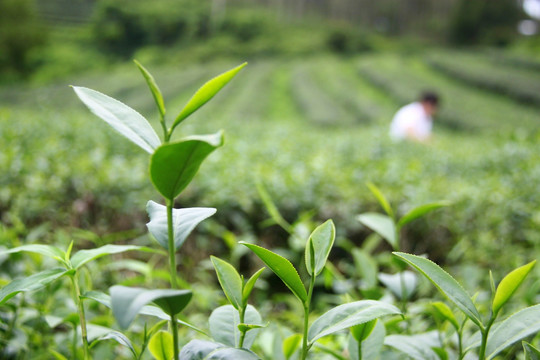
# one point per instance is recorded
(174, 329)
(82, 318)
(166, 135)
(360, 350)
(243, 335)
(172, 250)
(307, 304)
(485, 333)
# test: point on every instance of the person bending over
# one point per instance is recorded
(414, 121)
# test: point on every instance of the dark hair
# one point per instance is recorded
(430, 97)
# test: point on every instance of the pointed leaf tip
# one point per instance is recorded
(207, 92)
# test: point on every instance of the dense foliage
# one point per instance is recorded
(302, 141)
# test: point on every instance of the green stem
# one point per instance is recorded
(307, 304)
(460, 345)
(243, 335)
(166, 136)
(360, 350)
(82, 318)
(172, 250)
(485, 333)
(174, 329)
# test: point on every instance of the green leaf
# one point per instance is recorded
(184, 221)
(149, 310)
(420, 211)
(30, 283)
(161, 346)
(205, 93)
(381, 199)
(173, 165)
(45, 250)
(372, 346)
(531, 353)
(272, 208)
(230, 281)
(121, 117)
(248, 287)
(382, 225)
(229, 353)
(127, 302)
(154, 89)
(446, 313)
(57, 355)
(198, 349)
(83, 256)
(282, 268)
(119, 338)
(320, 241)
(514, 328)
(402, 284)
(224, 323)
(361, 332)
(418, 347)
(291, 344)
(366, 267)
(509, 285)
(347, 315)
(445, 283)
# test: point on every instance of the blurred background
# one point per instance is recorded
(308, 118)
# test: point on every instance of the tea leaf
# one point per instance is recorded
(418, 347)
(402, 284)
(381, 199)
(382, 225)
(321, 241)
(154, 89)
(291, 344)
(30, 283)
(228, 353)
(420, 211)
(161, 346)
(81, 257)
(198, 349)
(531, 353)
(45, 250)
(514, 328)
(362, 331)
(224, 323)
(205, 93)
(121, 117)
(127, 302)
(248, 287)
(282, 268)
(371, 347)
(366, 266)
(443, 310)
(347, 315)
(149, 310)
(509, 285)
(272, 208)
(173, 166)
(445, 283)
(119, 338)
(184, 221)
(230, 281)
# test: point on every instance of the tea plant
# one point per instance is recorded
(172, 167)
(505, 333)
(339, 318)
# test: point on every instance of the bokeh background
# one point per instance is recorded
(307, 119)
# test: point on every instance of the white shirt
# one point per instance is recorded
(411, 121)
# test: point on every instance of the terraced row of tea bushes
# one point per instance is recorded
(463, 107)
(481, 71)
